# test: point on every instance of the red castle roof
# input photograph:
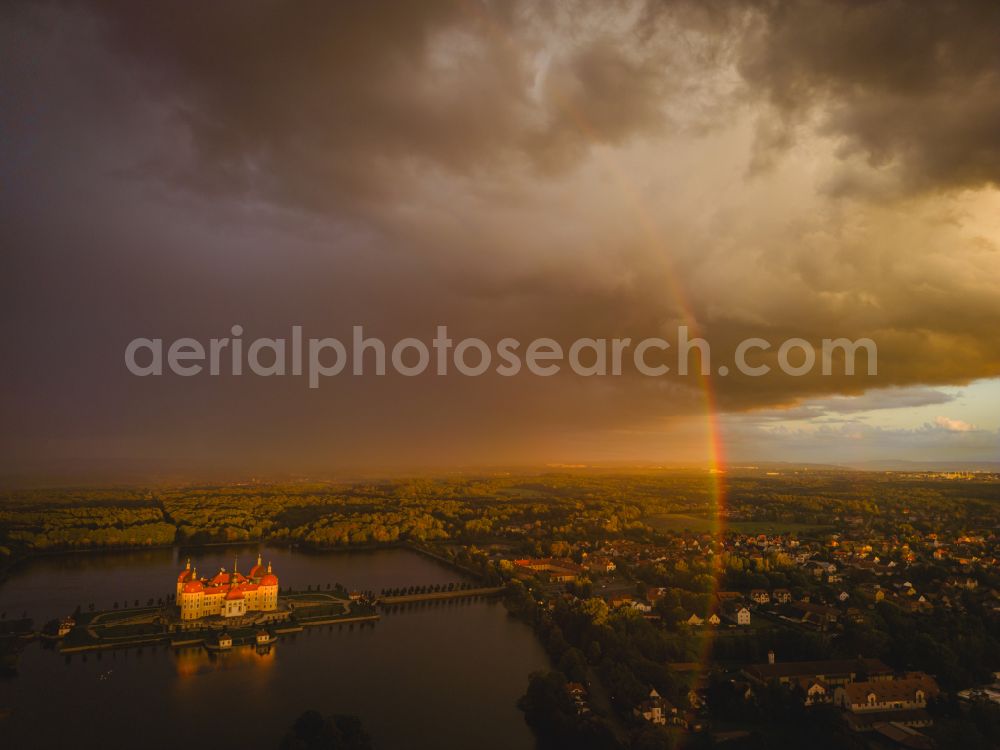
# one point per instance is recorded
(257, 570)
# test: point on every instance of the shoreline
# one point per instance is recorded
(200, 642)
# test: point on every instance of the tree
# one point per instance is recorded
(312, 731)
(573, 665)
(596, 609)
(550, 712)
(594, 652)
(547, 705)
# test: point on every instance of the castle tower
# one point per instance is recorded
(257, 571)
(185, 576)
(268, 600)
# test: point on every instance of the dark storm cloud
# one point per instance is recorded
(337, 103)
(877, 399)
(912, 87)
(330, 105)
(508, 169)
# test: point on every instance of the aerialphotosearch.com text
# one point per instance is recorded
(320, 358)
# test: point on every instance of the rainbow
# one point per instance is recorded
(715, 447)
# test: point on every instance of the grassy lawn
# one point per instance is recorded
(309, 598)
(113, 616)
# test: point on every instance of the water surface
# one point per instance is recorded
(441, 675)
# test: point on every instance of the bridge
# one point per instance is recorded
(436, 595)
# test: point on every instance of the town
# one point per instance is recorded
(845, 609)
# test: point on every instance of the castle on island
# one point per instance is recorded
(227, 593)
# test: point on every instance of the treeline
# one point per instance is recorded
(533, 514)
(39, 520)
(142, 534)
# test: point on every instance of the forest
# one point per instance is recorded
(528, 510)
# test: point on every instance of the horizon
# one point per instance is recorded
(94, 479)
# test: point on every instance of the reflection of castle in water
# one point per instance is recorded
(191, 662)
(229, 594)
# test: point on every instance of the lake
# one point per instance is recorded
(430, 675)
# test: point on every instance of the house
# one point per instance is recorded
(833, 672)
(736, 612)
(697, 698)
(618, 602)
(875, 593)
(655, 709)
(658, 710)
(694, 620)
(579, 695)
(760, 596)
(713, 619)
(902, 702)
(816, 690)
(843, 596)
(782, 596)
(986, 693)
(819, 567)
(559, 571)
(912, 691)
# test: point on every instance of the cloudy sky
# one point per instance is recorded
(798, 169)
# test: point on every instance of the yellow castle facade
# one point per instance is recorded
(227, 593)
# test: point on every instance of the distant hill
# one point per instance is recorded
(943, 465)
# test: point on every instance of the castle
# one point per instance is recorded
(226, 594)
